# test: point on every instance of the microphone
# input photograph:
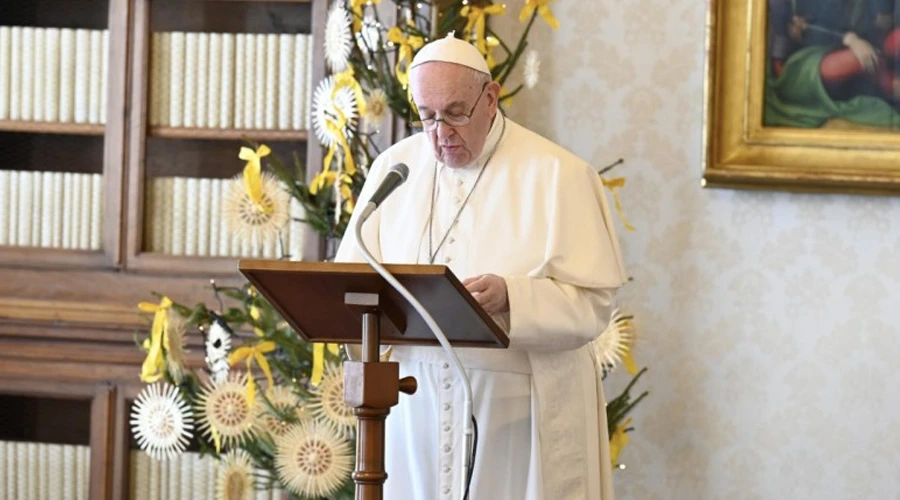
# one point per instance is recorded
(395, 177)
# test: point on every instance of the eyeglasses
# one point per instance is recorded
(453, 119)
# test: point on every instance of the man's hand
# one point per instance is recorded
(490, 292)
(797, 28)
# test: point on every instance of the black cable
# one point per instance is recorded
(472, 461)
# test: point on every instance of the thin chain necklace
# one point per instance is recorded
(432, 254)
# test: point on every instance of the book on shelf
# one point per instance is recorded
(271, 81)
(51, 90)
(203, 78)
(44, 470)
(38, 54)
(53, 75)
(50, 209)
(189, 99)
(176, 79)
(5, 70)
(37, 198)
(224, 80)
(26, 87)
(67, 60)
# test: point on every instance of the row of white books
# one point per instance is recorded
(51, 209)
(186, 476)
(224, 80)
(41, 471)
(185, 217)
(53, 75)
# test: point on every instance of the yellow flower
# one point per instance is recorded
(174, 347)
(543, 8)
(234, 480)
(614, 344)
(224, 413)
(313, 460)
(618, 440)
(243, 214)
(280, 400)
(327, 401)
(376, 105)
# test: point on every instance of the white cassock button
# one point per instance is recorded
(447, 260)
(446, 406)
(446, 386)
(446, 365)
(451, 239)
(446, 448)
(446, 428)
(459, 182)
(457, 199)
(446, 491)
(446, 469)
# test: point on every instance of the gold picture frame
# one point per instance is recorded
(741, 151)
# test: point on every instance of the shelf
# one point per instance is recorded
(204, 268)
(52, 127)
(53, 258)
(229, 134)
(259, 1)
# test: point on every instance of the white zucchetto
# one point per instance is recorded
(452, 50)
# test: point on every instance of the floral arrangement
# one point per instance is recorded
(614, 346)
(369, 83)
(267, 404)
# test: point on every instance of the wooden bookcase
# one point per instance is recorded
(68, 317)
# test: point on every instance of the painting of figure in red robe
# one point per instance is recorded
(833, 64)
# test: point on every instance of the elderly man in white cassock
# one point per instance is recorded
(527, 226)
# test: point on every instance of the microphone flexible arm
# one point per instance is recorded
(469, 428)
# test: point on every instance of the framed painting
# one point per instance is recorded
(803, 95)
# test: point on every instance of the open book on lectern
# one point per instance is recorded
(312, 297)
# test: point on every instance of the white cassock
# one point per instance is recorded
(538, 217)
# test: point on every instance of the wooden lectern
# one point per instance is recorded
(352, 304)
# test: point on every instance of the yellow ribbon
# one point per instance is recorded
(406, 44)
(356, 6)
(324, 180)
(337, 130)
(154, 363)
(253, 177)
(613, 185)
(618, 441)
(627, 357)
(347, 79)
(250, 353)
(490, 43)
(475, 25)
(216, 440)
(318, 368)
(543, 8)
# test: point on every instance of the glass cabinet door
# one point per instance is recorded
(212, 77)
(58, 171)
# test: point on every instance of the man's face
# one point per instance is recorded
(442, 90)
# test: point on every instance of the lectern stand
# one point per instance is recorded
(352, 304)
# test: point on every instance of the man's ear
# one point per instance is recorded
(493, 94)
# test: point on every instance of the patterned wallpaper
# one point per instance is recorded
(770, 321)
